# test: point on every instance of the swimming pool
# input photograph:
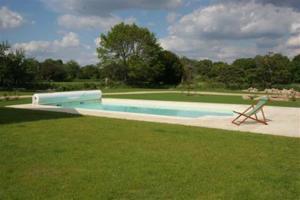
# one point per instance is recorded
(146, 109)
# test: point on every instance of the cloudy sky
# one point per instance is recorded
(214, 29)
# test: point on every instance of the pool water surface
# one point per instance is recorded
(150, 110)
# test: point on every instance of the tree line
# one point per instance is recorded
(261, 71)
(18, 71)
(131, 55)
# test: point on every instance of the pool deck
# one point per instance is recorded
(282, 121)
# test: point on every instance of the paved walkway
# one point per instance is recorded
(283, 121)
(174, 91)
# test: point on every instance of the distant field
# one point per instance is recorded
(201, 98)
(12, 93)
(104, 90)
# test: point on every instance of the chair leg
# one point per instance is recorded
(263, 114)
(244, 120)
(234, 121)
(241, 114)
(248, 117)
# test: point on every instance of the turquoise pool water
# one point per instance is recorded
(164, 111)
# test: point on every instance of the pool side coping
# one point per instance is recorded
(283, 121)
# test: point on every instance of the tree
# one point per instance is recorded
(89, 72)
(295, 68)
(204, 68)
(232, 76)
(248, 66)
(4, 47)
(33, 69)
(53, 70)
(188, 78)
(15, 69)
(172, 68)
(135, 49)
(245, 63)
(16, 72)
(72, 69)
(216, 68)
(273, 69)
(113, 71)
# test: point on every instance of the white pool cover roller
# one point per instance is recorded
(63, 97)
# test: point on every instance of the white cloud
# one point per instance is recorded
(105, 7)
(70, 40)
(9, 19)
(97, 41)
(206, 49)
(91, 22)
(237, 21)
(228, 31)
(66, 48)
(294, 41)
(172, 17)
(295, 4)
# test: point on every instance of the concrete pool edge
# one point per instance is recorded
(284, 124)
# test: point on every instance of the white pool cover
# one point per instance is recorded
(62, 97)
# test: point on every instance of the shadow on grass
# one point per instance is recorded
(12, 115)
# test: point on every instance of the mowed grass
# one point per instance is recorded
(48, 155)
(230, 99)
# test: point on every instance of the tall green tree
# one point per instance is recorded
(53, 70)
(13, 69)
(72, 69)
(89, 72)
(295, 69)
(232, 76)
(172, 68)
(33, 69)
(16, 72)
(4, 47)
(204, 68)
(273, 69)
(136, 48)
(113, 71)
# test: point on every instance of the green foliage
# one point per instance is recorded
(125, 41)
(204, 68)
(89, 72)
(134, 56)
(113, 71)
(273, 68)
(172, 68)
(14, 70)
(72, 69)
(131, 55)
(261, 71)
(231, 76)
(53, 70)
(295, 69)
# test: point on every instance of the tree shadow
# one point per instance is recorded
(12, 115)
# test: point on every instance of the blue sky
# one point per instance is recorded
(215, 29)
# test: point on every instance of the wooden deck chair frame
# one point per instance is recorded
(243, 114)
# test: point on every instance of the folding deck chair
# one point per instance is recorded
(253, 110)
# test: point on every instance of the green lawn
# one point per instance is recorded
(12, 93)
(200, 98)
(47, 155)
